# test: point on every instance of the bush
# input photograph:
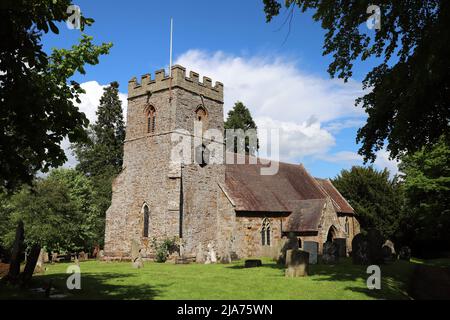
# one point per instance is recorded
(164, 248)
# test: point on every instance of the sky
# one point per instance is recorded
(280, 75)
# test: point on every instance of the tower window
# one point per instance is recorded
(151, 119)
(146, 221)
(347, 226)
(265, 232)
(201, 116)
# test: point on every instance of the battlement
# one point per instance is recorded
(179, 80)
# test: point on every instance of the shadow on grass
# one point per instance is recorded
(93, 286)
(395, 277)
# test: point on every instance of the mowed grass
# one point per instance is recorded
(118, 280)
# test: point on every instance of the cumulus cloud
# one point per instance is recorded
(89, 104)
(281, 96)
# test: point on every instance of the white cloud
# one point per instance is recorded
(382, 161)
(281, 96)
(89, 104)
(297, 140)
(276, 88)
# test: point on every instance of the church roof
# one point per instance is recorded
(339, 202)
(252, 192)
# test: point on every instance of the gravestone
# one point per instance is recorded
(54, 257)
(212, 253)
(200, 256)
(360, 250)
(101, 254)
(404, 253)
(82, 256)
(46, 257)
(388, 251)
(297, 263)
(330, 253)
(290, 243)
(39, 268)
(252, 263)
(136, 257)
(342, 246)
(312, 248)
(375, 240)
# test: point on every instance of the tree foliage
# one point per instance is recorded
(407, 103)
(58, 212)
(100, 157)
(377, 199)
(36, 100)
(240, 118)
(426, 176)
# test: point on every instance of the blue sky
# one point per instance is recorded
(284, 83)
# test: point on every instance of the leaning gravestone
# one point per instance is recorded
(312, 248)
(330, 253)
(342, 246)
(405, 253)
(212, 253)
(297, 265)
(360, 250)
(40, 262)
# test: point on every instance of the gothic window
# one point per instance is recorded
(146, 221)
(265, 232)
(151, 119)
(201, 116)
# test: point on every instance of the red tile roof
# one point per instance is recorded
(252, 192)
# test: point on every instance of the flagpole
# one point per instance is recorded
(170, 61)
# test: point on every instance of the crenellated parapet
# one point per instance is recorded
(179, 80)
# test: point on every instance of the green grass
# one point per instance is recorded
(118, 280)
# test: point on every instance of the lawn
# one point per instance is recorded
(118, 280)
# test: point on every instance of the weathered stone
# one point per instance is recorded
(342, 246)
(40, 262)
(297, 263)
(312, 248)
(404, 253)
(212, 253)
(388, 251)
(330, 253)
(252, 263)
(136, 256)
(200, 256)
(54, 257)
(289, 244)
(360, 250)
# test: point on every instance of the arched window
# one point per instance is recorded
(146, 221)
(265, 232)
(200, 114)
(151, 119)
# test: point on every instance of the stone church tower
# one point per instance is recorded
(153, 197)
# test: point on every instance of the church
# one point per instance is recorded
(229, 206)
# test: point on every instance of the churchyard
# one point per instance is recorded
(119, 280)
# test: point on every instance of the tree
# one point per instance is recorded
(426, 175)
(101, 157)
(377, 199)
(36, 101)
(240, 118)
(407, 103)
